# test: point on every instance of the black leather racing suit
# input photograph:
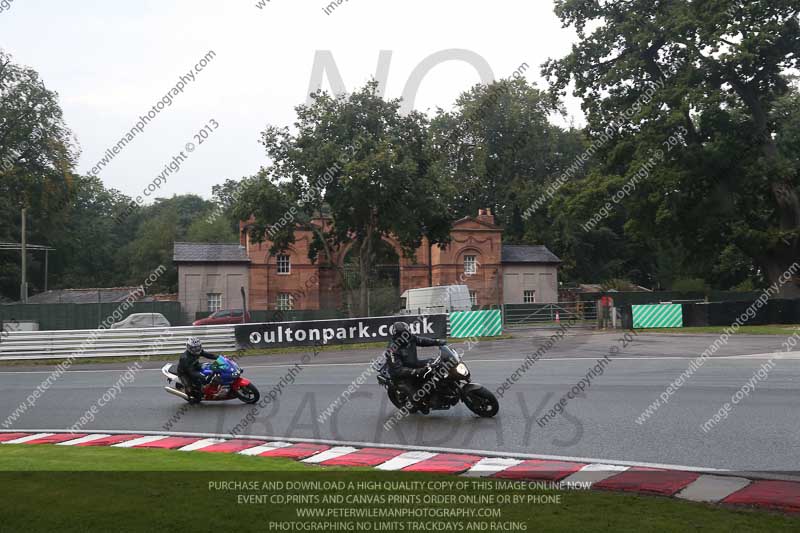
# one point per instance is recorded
(189, 368)
(402, 361)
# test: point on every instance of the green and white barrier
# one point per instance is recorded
(488, 323)
(658, 316)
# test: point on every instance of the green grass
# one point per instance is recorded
(57, 488)
(245, 353)
(778, 329)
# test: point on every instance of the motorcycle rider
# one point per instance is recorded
(189, 364)
(405, 368)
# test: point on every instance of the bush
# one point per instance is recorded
(689, 285)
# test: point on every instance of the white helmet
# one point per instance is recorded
(194, 346)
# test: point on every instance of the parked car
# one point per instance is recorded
(224, 316)
(142, 320)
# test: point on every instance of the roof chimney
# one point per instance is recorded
(485, 215)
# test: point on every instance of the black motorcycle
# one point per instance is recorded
(445, 383)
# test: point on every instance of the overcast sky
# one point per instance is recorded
(111, 61)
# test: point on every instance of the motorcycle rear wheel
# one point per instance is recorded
(482, 402)
(248, 394)
(399, 399)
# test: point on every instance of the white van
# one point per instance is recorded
(432, 300)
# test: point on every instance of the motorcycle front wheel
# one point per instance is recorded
(482, 402)
(248, 394)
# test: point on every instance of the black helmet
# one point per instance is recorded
(398, 329)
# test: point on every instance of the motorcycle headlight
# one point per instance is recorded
(462, 369)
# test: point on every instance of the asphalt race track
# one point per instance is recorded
(762, 433)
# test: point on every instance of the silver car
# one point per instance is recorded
(142, 320)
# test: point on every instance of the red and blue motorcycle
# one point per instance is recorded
(224, 382)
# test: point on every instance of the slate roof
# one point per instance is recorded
(87, 296)
(528, 254)
(201, 252)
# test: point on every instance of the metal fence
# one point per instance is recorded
(584, 313)
(86, 344)
(57, 316)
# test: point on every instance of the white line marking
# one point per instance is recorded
(594, 473)
(754, 356)
(405, 459)
(490, 465)
(81, 440)
(712, 488)
(200, 444)
(333, 453)
(258, 450)
(23, 440)
(140, 440)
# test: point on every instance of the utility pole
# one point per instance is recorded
(23, 289)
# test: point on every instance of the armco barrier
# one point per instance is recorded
(658, 316)
(487, 323)
(111, 342)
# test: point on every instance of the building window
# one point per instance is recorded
(285, 302)
(214, 302)
(470, 265)
(473, 298)
(284, 264)
(529, 297)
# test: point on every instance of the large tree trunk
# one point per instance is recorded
(784, 273)
(784, 258)
(779, 259)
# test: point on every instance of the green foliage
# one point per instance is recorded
(369, 166)
(617, 284)
(208, 228)
(718, 71)
(500, 149)
(689, 285)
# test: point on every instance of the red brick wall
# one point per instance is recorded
(316, 285)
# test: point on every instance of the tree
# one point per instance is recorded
(158, 227)
(37, 151)
(89, 239)
(716, 70)
(37, 156)
(369, 166)
(500, 149)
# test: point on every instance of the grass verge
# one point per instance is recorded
(57, 488)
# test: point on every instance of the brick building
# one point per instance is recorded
(475, 257)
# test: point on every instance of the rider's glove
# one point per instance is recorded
(442, 342)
